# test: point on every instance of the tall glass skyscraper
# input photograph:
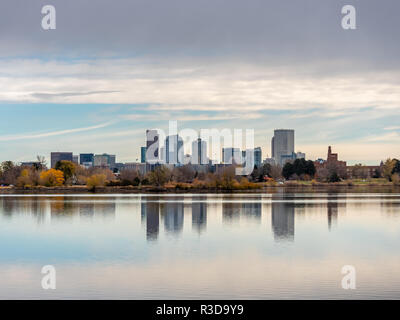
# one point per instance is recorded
(282, 145)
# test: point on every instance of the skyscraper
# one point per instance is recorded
(199, 152)
(143, 154)
(282, 145)
(86, 159)
(104, 160)
(152, 146)
(174, 149)
(229, 155)
(75, 158)
(59, 156)
(257, 157)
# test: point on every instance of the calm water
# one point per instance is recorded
(259, 246)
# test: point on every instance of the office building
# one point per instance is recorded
(231, 155)
(139, 167)
(86, 159)
(60, 156)
(143, 154)
(174, 150)
(199, 152)
(104, 160)
(152, 146)
(282, 145)
(258, 157)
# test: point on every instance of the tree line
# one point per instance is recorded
(66, 173)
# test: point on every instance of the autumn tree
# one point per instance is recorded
(388, 168)
(96, 180)
(129, 177)
(51, 178)
(9, 173)
(159, 176)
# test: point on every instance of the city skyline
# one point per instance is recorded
(287, 153)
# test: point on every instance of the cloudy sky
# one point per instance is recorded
(112, 69)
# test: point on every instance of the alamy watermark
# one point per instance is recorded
(169, 149)
(49, 278)
(349, 280)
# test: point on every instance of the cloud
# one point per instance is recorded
(54, 133)
(387, 137)
(233, 87)
(45, 96)
(392, 128)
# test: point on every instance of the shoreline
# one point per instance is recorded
(288, 188)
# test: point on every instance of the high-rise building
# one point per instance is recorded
(174, 149)
(152, 146)
(199, 152)
(229, 155)
(86, 159)
(143, 154)
(282, 145)
(104, 160)
(59, 156)
(248, 155)
(75, 158)
(257, 157)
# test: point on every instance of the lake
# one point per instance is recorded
(200, 246)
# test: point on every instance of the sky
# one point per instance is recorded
(112, 69)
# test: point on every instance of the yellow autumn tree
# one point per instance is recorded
(52, 177)
(24, 180)
(96, 180)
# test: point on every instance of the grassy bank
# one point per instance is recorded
(376, 186)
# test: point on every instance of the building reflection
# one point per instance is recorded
(252, 210)
(105, 209)
(150, 213)
(86, 210)
(332, 211)
(199, 215)
(282, 219)
(172, 214)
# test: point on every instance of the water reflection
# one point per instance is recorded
(199, 215)
(152, 220)
(230, 212)
(332, 211)
(99, 259)
(282, 219)
(86, 210)
(172, 214)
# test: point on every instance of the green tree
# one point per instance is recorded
(68, 168)
(396, 168)
(310, 168)
(288, 170)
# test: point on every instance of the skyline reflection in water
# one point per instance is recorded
(289, 241)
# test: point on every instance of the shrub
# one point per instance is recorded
(25, 180)
(96, 180)
(396, 179)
